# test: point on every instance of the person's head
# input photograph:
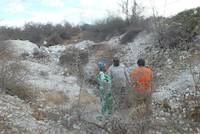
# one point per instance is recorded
(141, 62)
(116, 61)
(101, 66)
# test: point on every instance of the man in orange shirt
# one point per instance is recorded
(142, 86)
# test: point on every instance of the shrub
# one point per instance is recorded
(33, 32)
(178, 31)
(130, 35)
(190, 19)
(10, 33)
(105, 29)
(55, 97)
(65, 35)
(54, 40)
(11, 79)
(173, 36)
(37, 33)
(85, 27)
(68, 57)
(74, 55)
(11, 72)
(24, 92)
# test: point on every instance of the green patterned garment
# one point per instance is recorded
(104, 82)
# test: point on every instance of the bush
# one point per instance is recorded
(24, 92)
(178, 31)
(113, 26)
(190, 19)
(105, 29)
(55, 97)
(11, 79)
(174, 36)
(54, 40)
(130, 35)
(37, 33)
(70, 57)
(65, 35)
(10, 33)
(33, 32)
(11, 72)
(85, 27)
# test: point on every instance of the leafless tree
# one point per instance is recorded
(125, 9)
(131, 10)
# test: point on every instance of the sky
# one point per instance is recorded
(18, 12)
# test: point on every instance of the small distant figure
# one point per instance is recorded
(142, 85)
(104, 86)
(119, 82)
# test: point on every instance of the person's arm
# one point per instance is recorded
(152, 83)
(110, 72)
(126, 72)
(133, 78)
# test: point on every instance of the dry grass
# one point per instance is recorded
(86, 98)
(54, 97)
(5, 55)
(24, 92)
(50, 99)
(37, 112)
(137, 112)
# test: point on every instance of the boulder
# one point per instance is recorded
(19, 48)
(90, 72)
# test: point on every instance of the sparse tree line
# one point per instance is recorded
(185, 26)
(37, 33)
(101, 30)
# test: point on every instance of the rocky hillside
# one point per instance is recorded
(53, 89)
(45, 99)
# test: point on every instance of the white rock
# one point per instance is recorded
(84, 44)
(18, 47)
(169, 61)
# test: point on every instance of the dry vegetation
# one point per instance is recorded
(185, 27)
(54, 97)
(12, 76)
(99, 31)
(38, 33)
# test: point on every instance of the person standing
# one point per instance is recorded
(119, 82)
(142, 85)
(104, 86)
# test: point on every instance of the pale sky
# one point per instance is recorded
(18, 12)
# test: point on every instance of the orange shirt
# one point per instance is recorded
(142, 76)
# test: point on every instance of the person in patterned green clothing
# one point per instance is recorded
(104, 86)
